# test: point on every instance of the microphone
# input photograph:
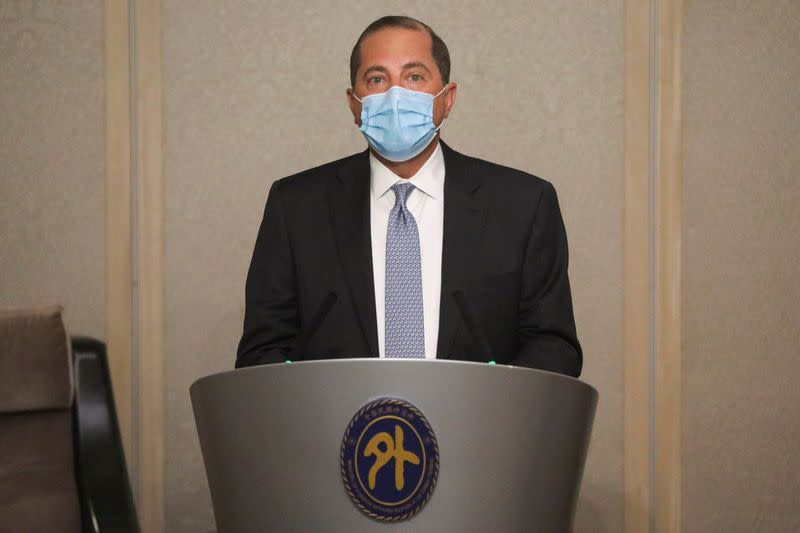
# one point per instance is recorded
(478, 336)
(313, 325)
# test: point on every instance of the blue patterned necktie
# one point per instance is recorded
(405, 324)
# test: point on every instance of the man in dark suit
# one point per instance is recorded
(409, 249)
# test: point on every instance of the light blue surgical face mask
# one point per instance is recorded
(398, 123)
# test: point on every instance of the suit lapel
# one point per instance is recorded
(350, 216)
(461, 239)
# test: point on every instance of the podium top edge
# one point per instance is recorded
(297, 365)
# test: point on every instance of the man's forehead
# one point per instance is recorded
(396, 44)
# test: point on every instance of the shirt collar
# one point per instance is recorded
(429, 178)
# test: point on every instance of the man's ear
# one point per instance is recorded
(355, 106)
(450, 98)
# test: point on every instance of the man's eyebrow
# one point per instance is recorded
(407, 66)
(379, 68)
(416, 64)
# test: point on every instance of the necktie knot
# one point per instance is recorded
(401, 192)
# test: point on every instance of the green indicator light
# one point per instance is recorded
(492, 363)
(288, 360)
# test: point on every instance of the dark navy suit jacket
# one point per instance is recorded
(504, 247)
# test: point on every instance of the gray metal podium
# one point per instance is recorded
(512, 444)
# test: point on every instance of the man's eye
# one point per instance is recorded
(416, 77)
(375, 79)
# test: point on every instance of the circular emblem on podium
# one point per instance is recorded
(389, 460)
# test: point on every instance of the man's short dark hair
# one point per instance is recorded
(439, 50)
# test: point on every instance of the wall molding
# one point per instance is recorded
(668, 248)
(118, 232)
(149, 218)
(652, 231)
(637, 270)
(135, 243)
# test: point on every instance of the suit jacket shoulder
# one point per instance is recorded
(317, 177)
(499, 185)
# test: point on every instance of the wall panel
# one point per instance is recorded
(256, 91)
(740, 296)
(52, 246)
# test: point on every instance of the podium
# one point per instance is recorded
(511, 443)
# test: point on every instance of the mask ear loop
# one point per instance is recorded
(437, 95)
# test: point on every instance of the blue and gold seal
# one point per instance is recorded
(389, 460)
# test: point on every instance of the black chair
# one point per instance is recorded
(102, 477)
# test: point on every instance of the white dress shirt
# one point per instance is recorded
(426, 203)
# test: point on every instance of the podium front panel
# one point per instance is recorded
(512, 444)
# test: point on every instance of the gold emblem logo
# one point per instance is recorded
(389, 460)
(382, 457)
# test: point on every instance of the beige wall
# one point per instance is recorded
(255, 91)
(741, 298)
(52, 247)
